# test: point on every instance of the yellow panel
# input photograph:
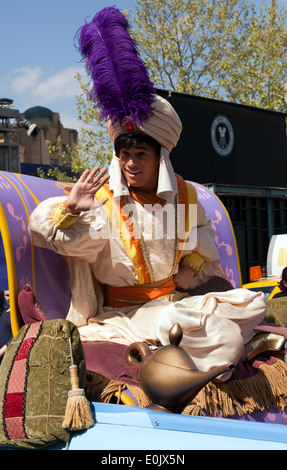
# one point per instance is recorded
(11, 273)
(126, 399)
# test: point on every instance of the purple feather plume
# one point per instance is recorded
(121, 84)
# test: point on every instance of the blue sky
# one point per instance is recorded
(38, 57)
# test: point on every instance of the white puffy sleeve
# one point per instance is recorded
(75, 236)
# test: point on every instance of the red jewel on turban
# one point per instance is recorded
(128, 124)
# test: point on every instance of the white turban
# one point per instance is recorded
(163, 125)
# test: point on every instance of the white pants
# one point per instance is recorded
(215, 325)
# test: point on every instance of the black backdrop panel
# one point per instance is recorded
(226, 143)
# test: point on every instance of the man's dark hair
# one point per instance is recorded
(127, 141)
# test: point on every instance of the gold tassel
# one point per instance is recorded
(78, 414)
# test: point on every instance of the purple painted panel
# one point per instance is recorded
(224, 238)
(45, 271)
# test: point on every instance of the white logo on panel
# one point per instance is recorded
(222, 136)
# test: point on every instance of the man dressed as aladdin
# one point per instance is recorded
(134, 242)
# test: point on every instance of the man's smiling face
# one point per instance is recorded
(140, 166)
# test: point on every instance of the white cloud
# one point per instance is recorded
(45, 87)
(26, 79)
(60, 86)
(39, 86)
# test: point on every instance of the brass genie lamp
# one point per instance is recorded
(167, 375)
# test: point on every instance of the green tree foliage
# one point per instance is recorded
(258, 73)
(227, 50)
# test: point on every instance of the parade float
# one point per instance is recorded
(246, 412)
